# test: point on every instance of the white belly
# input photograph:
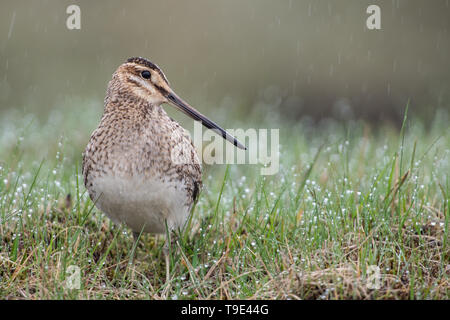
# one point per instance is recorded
(142, 204)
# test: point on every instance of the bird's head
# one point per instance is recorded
(143, 79)
(146, 80)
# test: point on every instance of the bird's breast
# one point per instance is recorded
(142, 204)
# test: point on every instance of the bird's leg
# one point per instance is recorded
(136, 237)
(169, 245)
(167, 258)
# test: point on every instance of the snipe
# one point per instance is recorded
(133, 168)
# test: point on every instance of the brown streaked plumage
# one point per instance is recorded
(140, 167)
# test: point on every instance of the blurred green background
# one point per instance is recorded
(295, 58)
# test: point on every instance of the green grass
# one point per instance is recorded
(347, 197)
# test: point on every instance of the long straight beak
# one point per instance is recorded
(194, 114)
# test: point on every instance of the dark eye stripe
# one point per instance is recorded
(146, 74)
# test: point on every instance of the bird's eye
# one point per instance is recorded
(145, 74)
